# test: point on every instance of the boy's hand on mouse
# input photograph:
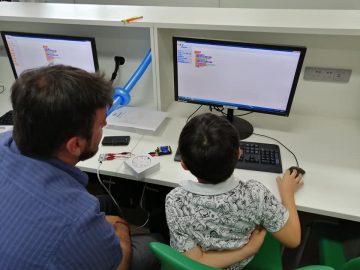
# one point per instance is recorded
(256, 240)
(289, 183)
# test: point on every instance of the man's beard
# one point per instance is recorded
(88, 153)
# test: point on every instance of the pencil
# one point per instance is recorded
(132, 19)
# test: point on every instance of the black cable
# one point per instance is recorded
(243, 114)
(218, 109)
(119, 60)
(297, 163)
(187, 120)
(221, 110)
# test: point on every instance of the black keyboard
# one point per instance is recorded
(262, 157)
(6, 119)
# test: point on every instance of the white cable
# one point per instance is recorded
(143, 192)
(102, 184)
(141, 206)
(138, 141)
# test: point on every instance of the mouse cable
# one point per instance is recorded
(297, 163)
(221, 110)
(187, 120)
(108, 191)
(218, 109)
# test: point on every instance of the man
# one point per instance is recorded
(48, 219)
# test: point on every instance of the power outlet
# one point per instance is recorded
(327, 74)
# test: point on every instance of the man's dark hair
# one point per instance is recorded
(209, 147)
(53, 104)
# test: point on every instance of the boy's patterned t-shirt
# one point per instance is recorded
(221, 216)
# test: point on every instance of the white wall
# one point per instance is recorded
(326, 99)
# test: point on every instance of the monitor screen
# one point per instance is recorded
(235, 75)
(28, 51)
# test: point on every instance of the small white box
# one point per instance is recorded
(142, 165)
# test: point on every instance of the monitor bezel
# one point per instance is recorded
(49, 36)
(216, 103)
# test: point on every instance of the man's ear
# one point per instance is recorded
(184, 165)
(75, 146)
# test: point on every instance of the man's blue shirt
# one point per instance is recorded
(48, 219)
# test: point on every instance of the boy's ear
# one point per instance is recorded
(239, 153)
(183, 165)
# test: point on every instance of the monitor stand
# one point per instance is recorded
(244, 127)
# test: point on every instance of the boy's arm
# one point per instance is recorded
(225, 258)
(290, 234)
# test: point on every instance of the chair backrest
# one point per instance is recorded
(331, 249)
(173, 260)
(315, 267)
(353, 264)
(268, 257)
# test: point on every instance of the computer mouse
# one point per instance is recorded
(298, 169)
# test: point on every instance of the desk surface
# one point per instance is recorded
(326, 148)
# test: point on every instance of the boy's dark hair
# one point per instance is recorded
(209, 147)
(52, 104)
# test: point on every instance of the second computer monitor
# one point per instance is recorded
(236, 75)
(29, 50)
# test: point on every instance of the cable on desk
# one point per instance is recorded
(187, 120)
(297, 163)
(138, 141)
(216, 108)
(221, 110)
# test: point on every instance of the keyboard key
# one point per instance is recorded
(260, 157)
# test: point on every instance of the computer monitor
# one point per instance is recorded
(28, 51)
(235, 75)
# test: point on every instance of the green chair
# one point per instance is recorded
(315, 267)
(332, 254)
(268, 257)
(173, 260)
(331, 249)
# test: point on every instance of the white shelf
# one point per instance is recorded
(334, 22)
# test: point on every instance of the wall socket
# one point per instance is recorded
(327, 74)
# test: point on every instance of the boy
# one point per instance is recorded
(220, 212)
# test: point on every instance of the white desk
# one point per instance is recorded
(5, 105)
(326, 148)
